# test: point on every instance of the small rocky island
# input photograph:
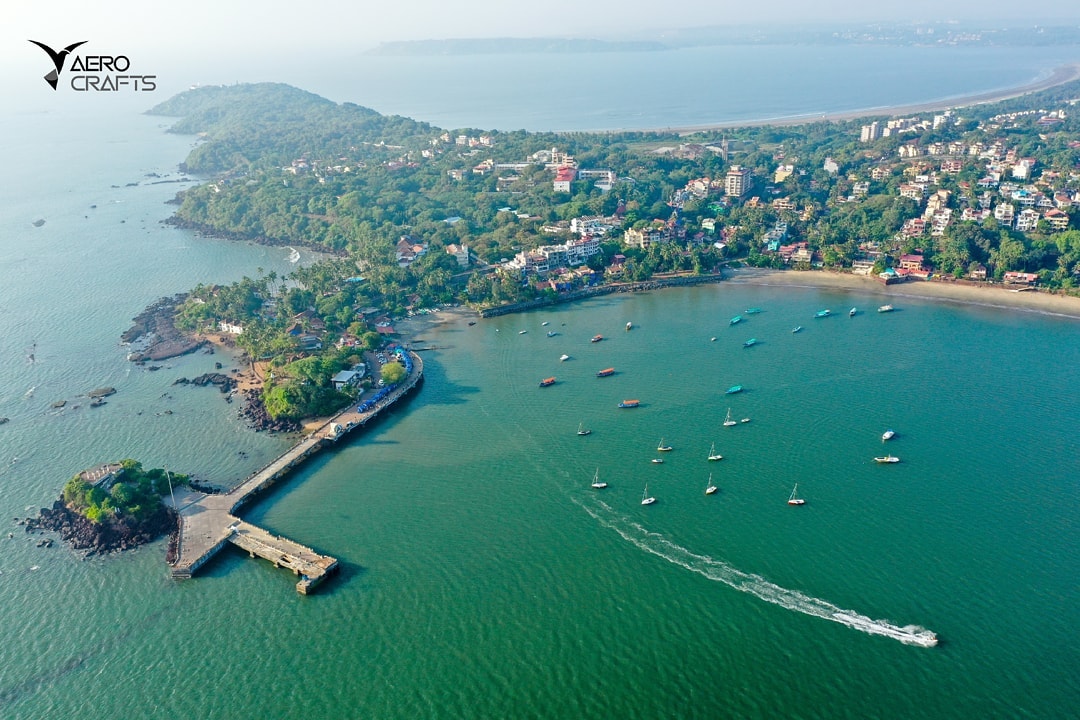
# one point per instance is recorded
(116, 506)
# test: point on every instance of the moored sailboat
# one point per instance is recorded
(710, 488)
(662, 447)
(582, 431)
(728, 422)
(645, 498)
(597, 483)
(795, 500)
(713, 455)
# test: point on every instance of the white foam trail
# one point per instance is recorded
(294, 255)
(756, 585)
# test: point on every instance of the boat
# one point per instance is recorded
(885, 308)
(522, 332)
(728, 422)
(597, 338)
(628, 326)
(645, 499)
(887, 459)
(712, 339)
(797, 328)
(735, 320)
(733, 389)
(851, 312)
(597, 483)
(752, 311)
(605, 372)
(750, 342)
(795, 500)
(552, 333)
(547, 381)
(472, 322)
(658, 461)
(662, 447)
(545, 323)
(713, 455)
(823, 313)
(629, 404)
(582, 431)
(887, 435)
(710, 488)
(745, 420)
(564, 358)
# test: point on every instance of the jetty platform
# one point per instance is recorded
(209, 522)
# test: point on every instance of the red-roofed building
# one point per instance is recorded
(911, 262)
(563, 177)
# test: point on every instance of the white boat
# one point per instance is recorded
(658, 460)
(544, 324)
(597, 483)
(885, 308)
(713, 455)
(645, 499)
(564, 358)
(522, 332)
(728, 422)
(887, 435)
(710, 488)
(745, 420)
(629, 325)
(582, 431)
(851, 312)
(797, 328)
(795, 500)
(662, 447)
(887, 459)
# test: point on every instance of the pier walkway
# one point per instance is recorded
(209, 522)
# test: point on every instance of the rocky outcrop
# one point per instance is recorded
(156, 335)
(95, 538)
(224, 383)
(258, 418)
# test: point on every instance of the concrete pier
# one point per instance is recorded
(208, 522)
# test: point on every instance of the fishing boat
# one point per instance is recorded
(605, 372)
(851, 312)
(564, 358)
(885, 308)
(887, 435)
(629, 404)
(547, 381)
(522, 332)
(887, 459)
(795, 500)
(552, 333)
(597, 483)
(733, 389)
(745, 420)
(750, 342)
(582, 431)
(645, 499)
(710, 488)
(797, 328)
(544, 324)
(728, 422)
(713, 455)
(735, 320)
(597, 338)
(823, 313)
(472, 322)
(752, 311)
(662, 447)
(628, 326)
(657, 461)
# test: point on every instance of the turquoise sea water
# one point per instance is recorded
(482, 578)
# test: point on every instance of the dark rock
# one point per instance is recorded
(39, 222)
(155, 328)
(109, 536)
(59, 404)
(224, 382)
(101, 392)
(258, 418)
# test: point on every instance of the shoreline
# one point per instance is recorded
(977, 295)
(1059, 76)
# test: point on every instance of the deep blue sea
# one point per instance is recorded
(482, 578)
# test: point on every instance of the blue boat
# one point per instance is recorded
(753, 311)
(735, 320)
(733, 389)
(797, 328)
(751, 341)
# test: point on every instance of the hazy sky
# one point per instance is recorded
(193, 40)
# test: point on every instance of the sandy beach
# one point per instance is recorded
(991, 296)
(1059, 76)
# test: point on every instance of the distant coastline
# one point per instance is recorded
(1060, 76)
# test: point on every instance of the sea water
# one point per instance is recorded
(481, 576)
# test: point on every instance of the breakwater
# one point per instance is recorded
(208, 522)
(643, 286)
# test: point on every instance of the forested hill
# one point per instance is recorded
(263, 124)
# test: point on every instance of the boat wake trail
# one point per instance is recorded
(756, 585)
